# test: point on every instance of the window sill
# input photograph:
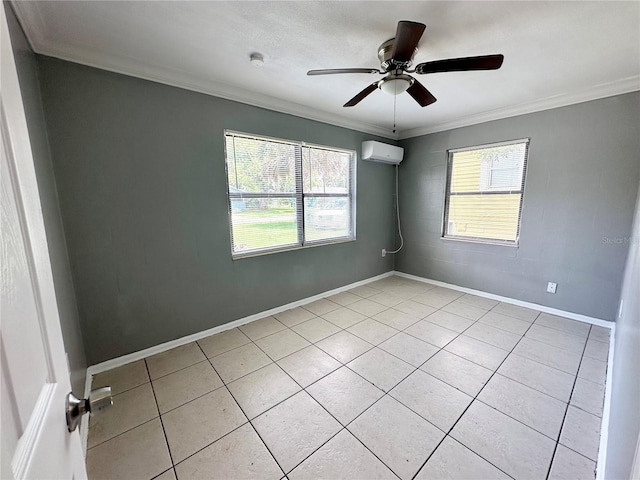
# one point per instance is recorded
(481, 241)
(269, 251)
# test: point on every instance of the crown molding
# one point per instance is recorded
(618, 87)
(178, 79)
(31, 21)
(34, 26)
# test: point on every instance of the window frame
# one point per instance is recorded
(299, 195)
(488, 191)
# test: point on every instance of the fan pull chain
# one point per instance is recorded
(395, 97)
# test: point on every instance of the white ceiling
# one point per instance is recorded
(556, 53)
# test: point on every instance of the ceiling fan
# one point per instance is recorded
(396, 57)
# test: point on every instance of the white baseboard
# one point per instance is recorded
(604, 427)
(512, 301)
(147, 352)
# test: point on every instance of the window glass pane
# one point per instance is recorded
(489, 168)
(505, 178)
(484, 216)
(326, 218)
(484, 195)
(466, 171)
(325, 171)
(507, 162)
(267, 177)
(260, 166)
(263, 223)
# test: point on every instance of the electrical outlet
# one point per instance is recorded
(551, 287)
(384, 252)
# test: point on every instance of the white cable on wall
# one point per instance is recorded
(398, 214)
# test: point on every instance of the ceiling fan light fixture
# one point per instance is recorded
(395, 85)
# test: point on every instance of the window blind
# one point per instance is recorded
(485, 187)
(285, 194)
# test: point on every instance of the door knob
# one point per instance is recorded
(76, 407)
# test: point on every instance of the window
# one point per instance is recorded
(485, 187)
(285, 194)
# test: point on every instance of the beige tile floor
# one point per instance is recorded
(393, 379)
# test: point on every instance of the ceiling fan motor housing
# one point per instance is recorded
(386, 62)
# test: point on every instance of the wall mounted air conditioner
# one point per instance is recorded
(381, 152)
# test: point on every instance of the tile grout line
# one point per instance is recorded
(395, 334)
(194, 398)
(122, 433)
(511, 352)
(222, 436)
(461, 333)
(211, 443)
(517, 420)
(387, 307)
(515, 353)
(304, 389)
(385, 393)
(431, 423)
(249, 420)
(469, 406)
(496, 373)
(343, 329)
(135, 426)
(160, 474)
(276, 361)
(342, 427)
(568, 403)
(164, 432)
(481, 401)
(564, 418)
(322, 406)
(377, 346)
(342, 364)
(208, 359)
(175, 371)
(487, 368)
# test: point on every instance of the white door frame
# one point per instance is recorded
(45, 449)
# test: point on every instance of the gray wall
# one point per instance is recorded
(624, 426)
(581, 184)
(141, 179)
(27, 67)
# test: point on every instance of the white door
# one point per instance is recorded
(35, 376)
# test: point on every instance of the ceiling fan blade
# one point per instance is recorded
(408, 35)
(420, 94)
(332, 71)
(359, 97)
(485, 62)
